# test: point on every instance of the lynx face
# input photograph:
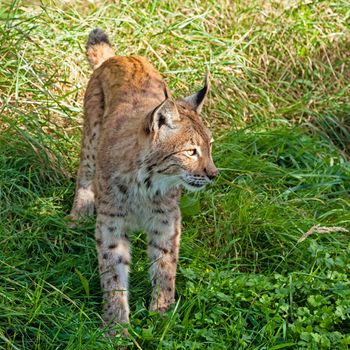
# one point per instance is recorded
(180, 151)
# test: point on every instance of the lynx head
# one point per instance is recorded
(180, 144)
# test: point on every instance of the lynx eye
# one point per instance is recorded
(191, 152)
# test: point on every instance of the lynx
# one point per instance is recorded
(140, 147)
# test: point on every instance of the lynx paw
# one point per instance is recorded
(114, 328)
(161, 308)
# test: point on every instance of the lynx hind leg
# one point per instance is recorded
(84, 200)
(163, 251)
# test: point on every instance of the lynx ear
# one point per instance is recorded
(196, 100)
(163, 115)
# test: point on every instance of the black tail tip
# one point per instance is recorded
(97, 36)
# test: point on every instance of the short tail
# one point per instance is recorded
(98, 48)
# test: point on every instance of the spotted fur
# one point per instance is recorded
(139, 148)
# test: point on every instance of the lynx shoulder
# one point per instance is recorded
(139, 148)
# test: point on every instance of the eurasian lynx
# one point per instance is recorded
(139, 148)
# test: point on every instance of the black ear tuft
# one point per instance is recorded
(196, 100)
(201, 94)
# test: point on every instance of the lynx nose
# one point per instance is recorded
(211, 172)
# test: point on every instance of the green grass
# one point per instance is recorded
(280, 112)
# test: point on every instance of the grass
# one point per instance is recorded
(280, 111)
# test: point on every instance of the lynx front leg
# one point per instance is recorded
(163, 251)
(113, 249)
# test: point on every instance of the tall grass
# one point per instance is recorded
(279, 108)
